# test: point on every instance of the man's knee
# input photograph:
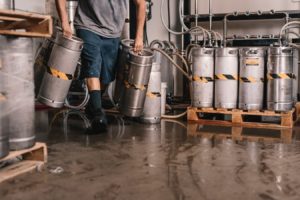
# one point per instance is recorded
(93, 83)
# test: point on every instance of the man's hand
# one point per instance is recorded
(138, 44)
(67, 31)
(62, 12)
(141, 16)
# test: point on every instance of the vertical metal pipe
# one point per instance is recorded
(182, 29)
(196, 19)
(210, 15)
(225, 30)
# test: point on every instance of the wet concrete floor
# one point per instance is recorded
(172, 160)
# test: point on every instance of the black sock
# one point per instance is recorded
(95, 105)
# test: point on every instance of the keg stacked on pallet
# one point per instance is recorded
(16, 76)
(249, 79)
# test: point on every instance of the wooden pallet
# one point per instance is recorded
(25, 24)
(32, 159)
(237, 133)
(237, 117)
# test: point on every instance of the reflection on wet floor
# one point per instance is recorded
(171, 160)
(236, 133)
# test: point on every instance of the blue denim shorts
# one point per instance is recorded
(99, 56)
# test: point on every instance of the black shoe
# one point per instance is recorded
(98, 125)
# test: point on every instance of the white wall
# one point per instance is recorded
(225, 6)
(31, 5)
(157, 31)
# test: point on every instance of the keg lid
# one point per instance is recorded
(74, 43)
(145, 57)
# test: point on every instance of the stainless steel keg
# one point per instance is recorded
(136, 83)
(152, 106)
(296, 73)
(226, 78)
(4, 144)
(203, 77)
(60, 70)
(123, 68)
(17, 65)
(252, 72)
(280, 74)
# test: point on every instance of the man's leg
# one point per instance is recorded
(91, 69)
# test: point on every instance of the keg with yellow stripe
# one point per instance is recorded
(226, 78)
(152, 106)
(281, 77)
(252, 67)
(60, 70)
(203, 77)
(132, 102)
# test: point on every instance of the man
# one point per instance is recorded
(99, 24)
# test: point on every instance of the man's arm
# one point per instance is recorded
(141, 16)
(62, 12)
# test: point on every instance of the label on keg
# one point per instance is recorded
(252, 61)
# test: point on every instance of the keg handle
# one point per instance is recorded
(208, 52)
(232, 52)
(251, 52)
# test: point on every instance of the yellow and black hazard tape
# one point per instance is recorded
(203, 79)
(251, 80)
(59, 74)
(153, 95)
(226, 77)
(135, 86)
(281, 76)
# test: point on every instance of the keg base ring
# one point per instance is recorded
(50, 103)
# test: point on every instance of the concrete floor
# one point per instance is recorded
(167, 161)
